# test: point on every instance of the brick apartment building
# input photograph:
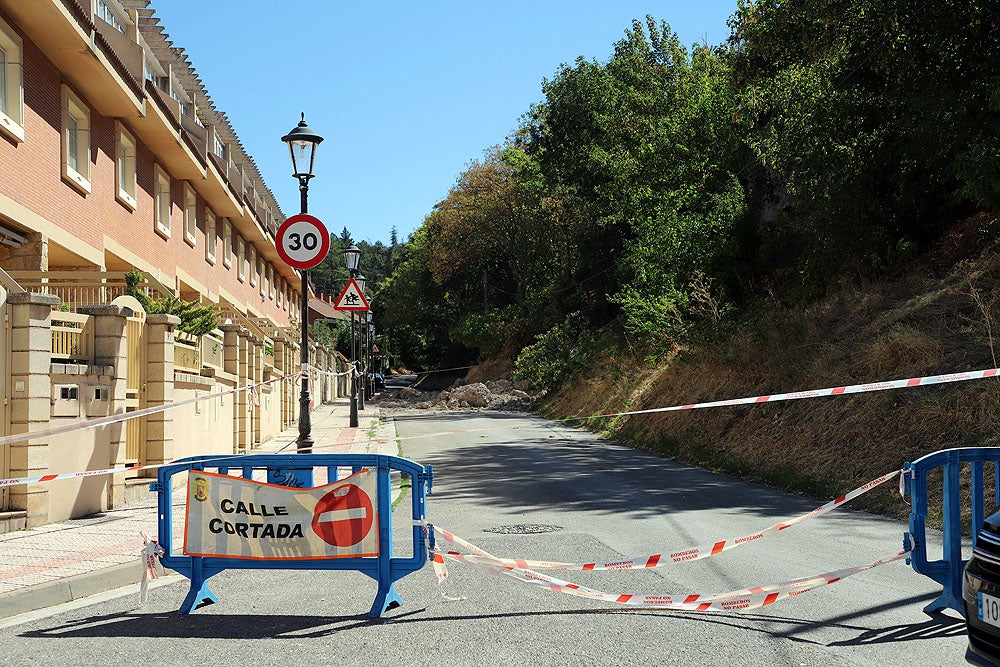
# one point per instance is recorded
(113, 158)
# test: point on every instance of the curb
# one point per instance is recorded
(68, 589)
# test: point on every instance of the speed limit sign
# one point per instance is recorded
(302, 241)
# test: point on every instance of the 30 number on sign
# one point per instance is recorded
(296, 242)
(302, 241)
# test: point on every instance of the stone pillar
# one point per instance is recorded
(320, 377)
(231, 336)
(295, 384)
(280, 389)
(243, 425)
(313, 378)
(256, 375)
(31, 390)
(160, 387)
(111, 349)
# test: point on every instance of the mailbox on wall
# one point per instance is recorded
(98, 400)
(65, 400)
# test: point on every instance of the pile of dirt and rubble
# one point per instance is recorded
(497, 394)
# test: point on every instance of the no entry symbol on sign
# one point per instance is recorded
(344, 516)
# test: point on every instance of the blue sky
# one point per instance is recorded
(405, 94)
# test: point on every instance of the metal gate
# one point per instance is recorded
(135, 398)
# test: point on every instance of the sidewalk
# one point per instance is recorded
(65, 561)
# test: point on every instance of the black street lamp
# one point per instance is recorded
(370, 385)
(302, 144)
(360, 280)
(352, 256)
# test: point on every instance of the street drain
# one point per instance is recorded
(523, 529)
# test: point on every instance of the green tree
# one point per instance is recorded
(646, 150)
(876, 120)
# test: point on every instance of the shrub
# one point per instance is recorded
(556, 354)
(196, 319)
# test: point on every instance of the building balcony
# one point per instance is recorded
(104, 65)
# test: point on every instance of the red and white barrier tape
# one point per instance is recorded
(661, 559)
(318, 371)
(740, 600)
(814, 393)
(125, 416)
(73, 475)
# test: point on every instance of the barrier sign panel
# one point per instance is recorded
(233, 517)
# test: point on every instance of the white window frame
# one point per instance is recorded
(220, 147)
(252, 261)
(109, 15)
(125, 168)
(190, 214)
(241, 270)
(210, 237)
(277, 290)
(270, 282)
(227, 243)
(12, 80)
(75, 141)
(162, 204)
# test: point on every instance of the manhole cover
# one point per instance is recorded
(523, 529)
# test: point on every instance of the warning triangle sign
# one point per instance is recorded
(352, 298)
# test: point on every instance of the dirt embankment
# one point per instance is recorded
(941, 316)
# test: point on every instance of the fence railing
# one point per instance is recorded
(72, 337)
(86, 288)
(187, 353)
(212, 351)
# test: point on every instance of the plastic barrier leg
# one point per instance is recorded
(951, 596)
(387, 598)
(199, 588)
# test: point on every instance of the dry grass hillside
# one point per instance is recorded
(939, 315)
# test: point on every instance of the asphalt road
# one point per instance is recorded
(601, 502)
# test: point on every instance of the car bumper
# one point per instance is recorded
(984, 640)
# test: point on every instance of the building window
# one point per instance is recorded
(190, 214)
(161, 198)
(76, 141)
(11, 83)
(262, 278)
(180, 97)
(125, 173)
(253, 265)
(241, 270)
(220, 147)
(105, 12)
(227, 243)
(277, 289)
(210, 239)
(270, 282)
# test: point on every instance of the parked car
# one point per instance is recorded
(981, 594)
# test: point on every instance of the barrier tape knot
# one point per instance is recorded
(151, 552)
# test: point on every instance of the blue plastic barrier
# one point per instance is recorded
(297, 470)
(948, 570)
